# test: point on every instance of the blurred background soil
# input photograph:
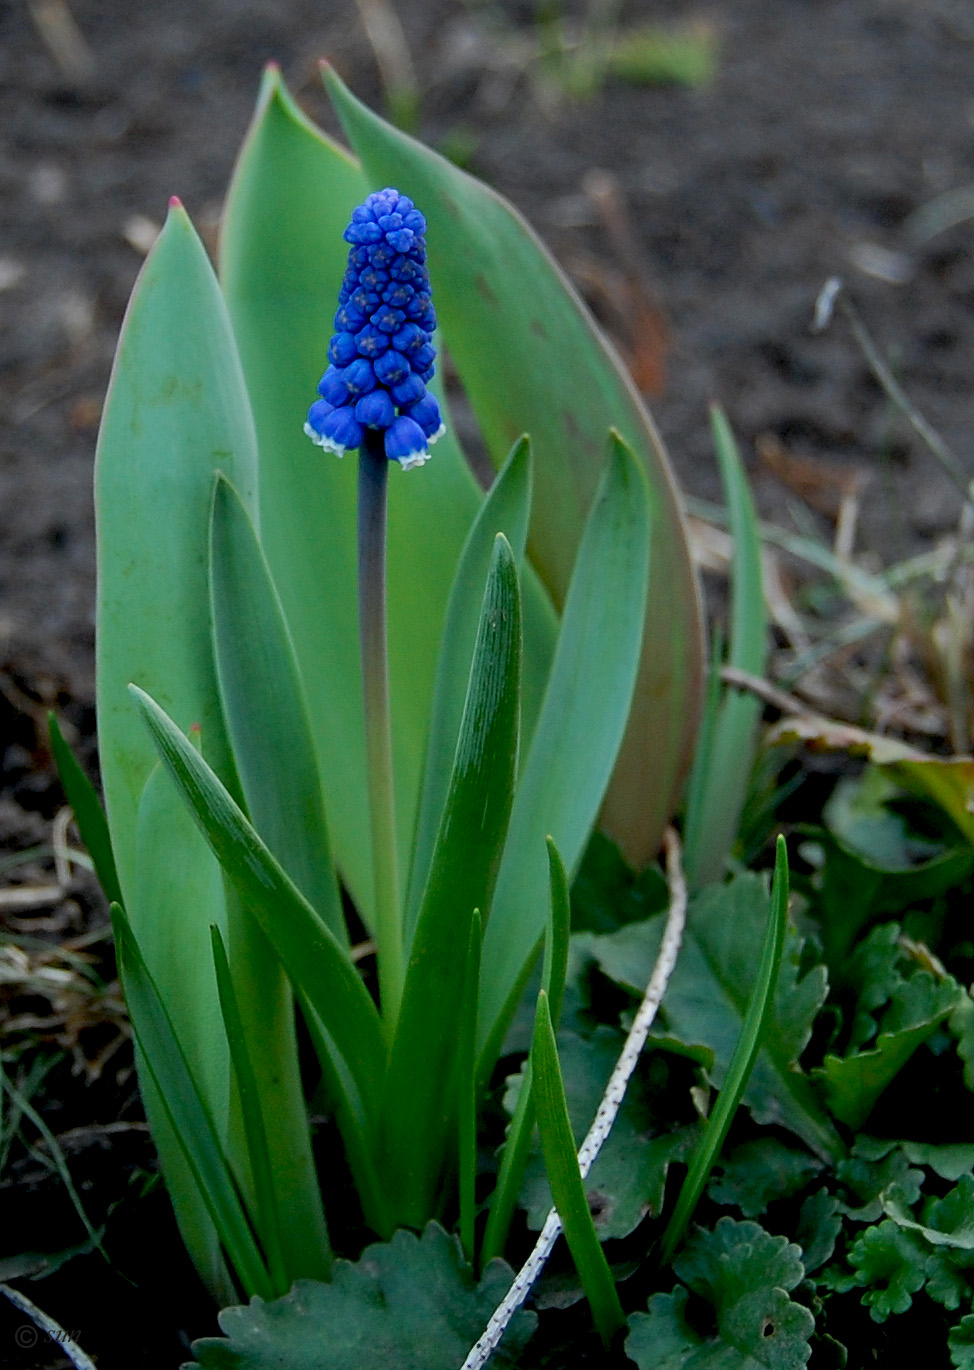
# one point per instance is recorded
(833, 137)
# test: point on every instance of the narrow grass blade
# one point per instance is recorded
(265, 708)
(722, 768)
(88, 812)
(582, 722)
(565, 1179)
(419, 1103)
(506, 510)
(188, 1116)
(742, 1062)
(267, 1218)
(467, 1091)
(314, 960)
(532, 360)
(518, 1143)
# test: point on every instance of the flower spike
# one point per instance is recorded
(381, 353)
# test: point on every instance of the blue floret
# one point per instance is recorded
(381, 353)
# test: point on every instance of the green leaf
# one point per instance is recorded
(186, 1110)
(282, 259)
(819, 1224)
(874, 1166)
(88, 812)
(265, 708)
(267, 1217)
(918, 1006)
(722, 768)
(315, 962)
(419, 1100)
(177, 410)
(606, 892)
(949, 1160)
(531, 360)
(506, 511)
(892, 1263)
(628, 1178)
(949, 1221)
(709, 992)
(962, 1028)
(517, 1143)
(412, 1303)
(759, 1172)
(960, 1339)
(567, 1186)
(744, 1275)
(577, 737)
(754, 1030)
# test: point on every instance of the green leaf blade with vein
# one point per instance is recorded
(708, 995)
(579, 731)
(315, 962)
(419, 1102)
(265, 708)
(281, 272)
(412, 1303)
(88, 812)
(500, 299)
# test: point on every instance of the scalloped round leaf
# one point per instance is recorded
(743, 1274)
(412, 1303)
(961, 1342)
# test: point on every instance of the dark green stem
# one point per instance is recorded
(373, 470)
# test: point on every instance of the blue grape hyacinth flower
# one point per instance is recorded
(381, 353)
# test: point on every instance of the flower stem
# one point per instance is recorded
(373, 467)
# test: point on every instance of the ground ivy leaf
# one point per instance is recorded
(744, 1275)
(948, 1221)
(760, 1171)
(628, 1178)
(892, 1263)
(960, 1339)
(708, 995)
(949, 1160)
(962, 1027)
(412, 1303)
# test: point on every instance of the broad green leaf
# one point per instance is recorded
(188, 1115)
(819, 1225)
(628, 1179)
(949, 1160)
(564, 1176)
(265, 708)
(874, 1166)
(758, 1172)
(754, 1031)
(176, 411)
(532, 360)
(518, 1141)
(722, 768)
(88, 812)
(743, 1275)
(467, 1093)
(267, 1217)
(577, 738)
(419, 1101)
(710, 989)
(412, 1303)
(606, 892)
(282, 260)
(314, 960)
(506, 511)
(892, 1264)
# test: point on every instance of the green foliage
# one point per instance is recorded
(413, 1303)
(744, 1276)
(757, 1173)
(709, 993)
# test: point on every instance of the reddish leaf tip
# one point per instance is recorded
(175, 202)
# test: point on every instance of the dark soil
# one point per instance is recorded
(827, 128)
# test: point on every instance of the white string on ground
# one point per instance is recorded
(608, 1109)
(47, 1325)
